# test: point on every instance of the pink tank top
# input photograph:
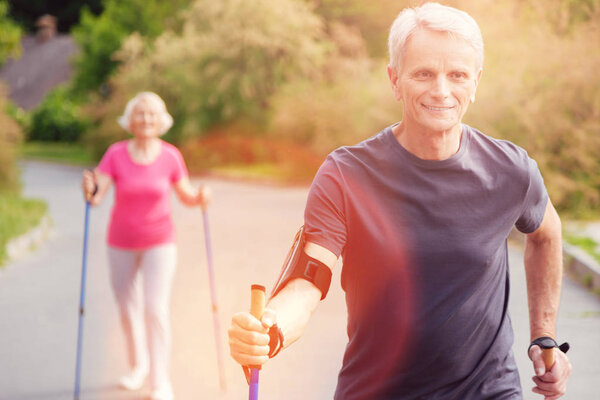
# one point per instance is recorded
(141, 214)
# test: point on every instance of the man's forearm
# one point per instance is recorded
(543, 266)
(293, 306)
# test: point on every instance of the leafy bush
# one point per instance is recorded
(283, 68)
(57, 118)
(349, 101)
(540, 89)
(228, 61)
(223, 150)
(10, 35)
(100, 36)
(10, 136)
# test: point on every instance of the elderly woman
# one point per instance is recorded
(141, 236)
(420, 214)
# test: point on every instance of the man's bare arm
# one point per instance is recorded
(543, 266)
(291, 309)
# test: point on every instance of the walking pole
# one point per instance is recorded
(548, 357)
(81, 301)
(213, 298)
(257, 307)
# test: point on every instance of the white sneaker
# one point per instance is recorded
(134, 380)
(162, 394)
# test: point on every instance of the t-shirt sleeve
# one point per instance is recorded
(179, 169)
(106, 165)
(324, 218)
(536, 198)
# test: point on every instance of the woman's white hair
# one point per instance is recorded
(166, 121)
(436, 17)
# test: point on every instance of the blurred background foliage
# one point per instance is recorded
(10, 34)
(26, 12)
(10, 130)
(246, 80)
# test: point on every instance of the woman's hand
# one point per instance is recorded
(204, 196)
(191, 196)
(89, 185)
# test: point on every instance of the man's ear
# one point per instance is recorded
(393, 76)
(477, 78)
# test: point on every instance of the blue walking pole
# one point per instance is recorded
(213, 298)
(81, 301)
(257, 307)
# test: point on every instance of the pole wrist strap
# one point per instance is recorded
(275, 340)
(546, 342)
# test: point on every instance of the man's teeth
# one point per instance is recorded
(437, 108)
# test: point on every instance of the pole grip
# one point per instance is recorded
(548, 357)
(257, 308)
(257, 301)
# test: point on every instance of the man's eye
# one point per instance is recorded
(458, 75)
(422, 74)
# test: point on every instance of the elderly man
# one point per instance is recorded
(420, 214)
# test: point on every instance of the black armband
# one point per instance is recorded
(298, 264)
(546, 342)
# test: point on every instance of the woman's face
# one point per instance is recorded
(145, 119)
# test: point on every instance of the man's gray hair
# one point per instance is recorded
(166, 121)
(437, 17)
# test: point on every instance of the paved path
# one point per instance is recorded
(252, 227)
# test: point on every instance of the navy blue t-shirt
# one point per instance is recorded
(425, 264)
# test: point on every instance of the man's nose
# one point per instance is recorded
(441, 88)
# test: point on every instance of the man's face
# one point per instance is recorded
(437, 80)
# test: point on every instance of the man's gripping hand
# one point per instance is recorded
(249, 338)
(551, 384)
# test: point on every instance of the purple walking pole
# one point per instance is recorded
(81, 303)
(213, 298)
(257, 307)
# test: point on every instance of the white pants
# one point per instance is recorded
(141, 281)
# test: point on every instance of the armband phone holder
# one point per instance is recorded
(298, 264)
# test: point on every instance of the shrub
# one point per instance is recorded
(540, 89)
(227, 62)
(348, 102)
(57, 118)
(278, 158)
(10, 34)
(99, 37)
(10, 136)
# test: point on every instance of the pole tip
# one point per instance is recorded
(258, 287)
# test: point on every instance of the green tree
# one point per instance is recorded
(100, 36)
(10, 34)
(57, 118)
(230, 57)
(371, 18)
(26, 12)
(10, 134)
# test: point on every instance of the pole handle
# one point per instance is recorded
(257, 308)
(548, 357)
(257, 301)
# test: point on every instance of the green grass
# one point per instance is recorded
(585, 243)
(71, 153)
(260, 171)
(17, 216)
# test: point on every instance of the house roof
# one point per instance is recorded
(41, 67)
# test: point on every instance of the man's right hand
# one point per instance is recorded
(249, 337)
